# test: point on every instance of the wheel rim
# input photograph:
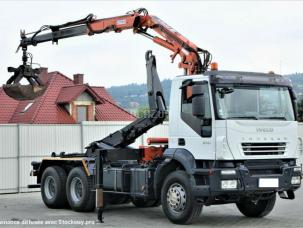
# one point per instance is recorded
(176, 198)
(76, 189)
(50, 187)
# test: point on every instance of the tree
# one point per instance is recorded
(142, 111)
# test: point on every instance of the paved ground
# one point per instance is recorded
(28, 208)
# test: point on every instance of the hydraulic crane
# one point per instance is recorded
(138, 20)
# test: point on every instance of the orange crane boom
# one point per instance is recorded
(170, 38)
(138, 20)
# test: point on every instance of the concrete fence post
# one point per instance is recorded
(18, 156)
(82, 137)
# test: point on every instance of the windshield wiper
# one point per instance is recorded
(274, 118)
(243, 117)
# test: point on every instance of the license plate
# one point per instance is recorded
(268, 183)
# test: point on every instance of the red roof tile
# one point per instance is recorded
(7, 107)
(103, 93)
(45, 109)
(70, 93)
(110, 111)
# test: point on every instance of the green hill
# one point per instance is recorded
(297, 81)
(133, 96)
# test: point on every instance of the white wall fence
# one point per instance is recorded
(21, 144)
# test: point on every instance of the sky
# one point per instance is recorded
(241, 35)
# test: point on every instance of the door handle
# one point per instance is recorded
(181, 141)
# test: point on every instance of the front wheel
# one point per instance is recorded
(257, 209)
(178, 202)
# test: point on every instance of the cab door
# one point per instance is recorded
(196, 131)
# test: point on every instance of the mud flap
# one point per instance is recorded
(290, 195)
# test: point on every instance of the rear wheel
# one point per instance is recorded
(259, 209)
(79, 190)
(53, 187)
(178, 202)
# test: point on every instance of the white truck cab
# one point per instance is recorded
(246, 116)
(236, 133)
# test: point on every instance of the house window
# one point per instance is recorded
(27, 107)
(82, 114)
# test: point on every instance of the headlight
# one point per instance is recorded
(297, 169)
(229, 184)
(296, 180)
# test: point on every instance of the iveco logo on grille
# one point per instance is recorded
(265, 130)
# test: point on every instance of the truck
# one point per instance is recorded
(232, 135)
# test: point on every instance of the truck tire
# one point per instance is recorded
(142, 203)
(178, 202)
(257, 210)
(79, 191)
(53, 187)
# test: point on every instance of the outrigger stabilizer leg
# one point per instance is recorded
(99, 185)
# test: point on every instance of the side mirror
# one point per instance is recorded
(198, 101)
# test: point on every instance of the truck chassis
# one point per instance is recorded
(110, 171)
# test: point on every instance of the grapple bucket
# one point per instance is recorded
(23, 92)
(20, 92)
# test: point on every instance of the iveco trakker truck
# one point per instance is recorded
(232, 136)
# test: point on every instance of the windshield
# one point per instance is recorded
(254, 103)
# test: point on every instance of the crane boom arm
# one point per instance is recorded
(139, 21)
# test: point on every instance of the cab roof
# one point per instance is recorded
(250, 78)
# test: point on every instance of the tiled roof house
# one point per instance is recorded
(65, 101)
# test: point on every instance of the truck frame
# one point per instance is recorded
(232, 137)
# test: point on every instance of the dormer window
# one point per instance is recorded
(82, 113)
(79, 101)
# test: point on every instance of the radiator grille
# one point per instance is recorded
(264, 148)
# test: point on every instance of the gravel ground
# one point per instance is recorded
(28, 210)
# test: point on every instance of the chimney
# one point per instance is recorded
(43, 70)
(44, 74)
(78, 79)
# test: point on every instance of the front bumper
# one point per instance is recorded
(248, 183)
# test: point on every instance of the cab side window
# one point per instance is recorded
(187, 101)
(201, 126)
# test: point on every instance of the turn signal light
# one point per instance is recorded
(214, 66)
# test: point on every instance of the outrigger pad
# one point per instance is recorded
(23, 92)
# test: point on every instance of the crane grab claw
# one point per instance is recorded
(20, 92)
